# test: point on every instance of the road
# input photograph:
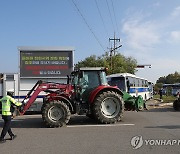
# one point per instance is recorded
(83, 135)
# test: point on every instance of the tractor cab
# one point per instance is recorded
(86, 80)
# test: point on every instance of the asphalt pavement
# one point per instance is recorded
(154, 131)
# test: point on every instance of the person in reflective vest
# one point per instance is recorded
(6, 102)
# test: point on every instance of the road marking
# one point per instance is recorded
(95, 125)
(12, 120)
(104, 125)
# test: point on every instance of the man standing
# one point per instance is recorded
(160, 93)
(7, 115)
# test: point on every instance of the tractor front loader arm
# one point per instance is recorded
(30, 92)
(34, 92)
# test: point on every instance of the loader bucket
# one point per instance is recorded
(132, 102)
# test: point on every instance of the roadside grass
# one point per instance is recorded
(166, 99)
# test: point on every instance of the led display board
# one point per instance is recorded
(45, 63)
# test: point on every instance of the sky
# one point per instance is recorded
(149, 30)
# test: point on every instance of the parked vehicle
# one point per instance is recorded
(132, 84)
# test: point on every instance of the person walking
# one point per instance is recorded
(160, 93)
(7, 102)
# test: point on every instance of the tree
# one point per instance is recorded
(91, 61)
(115, 64)
(169, 79)
(157, 87)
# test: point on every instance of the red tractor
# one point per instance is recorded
(86, 92)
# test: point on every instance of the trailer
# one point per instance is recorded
(20, 87)
(50, 64)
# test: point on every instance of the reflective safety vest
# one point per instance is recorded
(6, 104)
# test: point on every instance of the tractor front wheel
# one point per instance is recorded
(108, 107)
(55, 114)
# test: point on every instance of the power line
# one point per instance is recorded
(102, 18)
(115, 16)
(110, 15)
(87, 24)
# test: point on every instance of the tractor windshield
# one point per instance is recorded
(103, 78)
(90, 79)
(94, 79)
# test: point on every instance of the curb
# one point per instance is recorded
(160, 104)
(157, 99)
(165, 104)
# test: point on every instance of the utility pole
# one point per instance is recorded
(114, 42)
(114, 47)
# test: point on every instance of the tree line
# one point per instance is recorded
(169, 79)
(120, 64)
(115, 64)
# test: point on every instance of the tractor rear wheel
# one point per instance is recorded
(55, 114)
(108, 107)
(176, 105)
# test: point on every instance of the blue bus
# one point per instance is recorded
(172, 89)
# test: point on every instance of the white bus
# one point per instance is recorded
(131, 84)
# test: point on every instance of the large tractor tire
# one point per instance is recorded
(176, 105)
(108, 107)
(55, 114)
(91, 116)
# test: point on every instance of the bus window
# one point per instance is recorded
(136, 82)
(119, 82)
(143, 83)
(140, 83)
(131, 81)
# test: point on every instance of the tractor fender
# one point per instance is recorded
(66, 101)
(101, 89)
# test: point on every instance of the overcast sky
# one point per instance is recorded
(149, 30)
